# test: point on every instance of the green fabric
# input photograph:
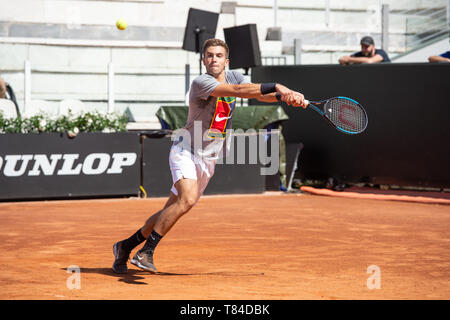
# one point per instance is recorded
(256, 117)
(175, 117)
(249, 117)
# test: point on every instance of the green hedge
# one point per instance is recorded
(86, 122)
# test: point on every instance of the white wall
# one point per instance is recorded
(421, 55)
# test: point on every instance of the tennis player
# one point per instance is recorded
(211, 105)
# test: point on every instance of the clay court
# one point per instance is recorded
(272, 246)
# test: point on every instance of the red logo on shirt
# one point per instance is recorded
(221, 119)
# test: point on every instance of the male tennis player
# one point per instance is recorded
(211, 104)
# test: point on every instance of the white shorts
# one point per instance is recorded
(183, 164)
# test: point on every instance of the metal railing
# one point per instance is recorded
(273, 60)
(426, 26)
(423, 26)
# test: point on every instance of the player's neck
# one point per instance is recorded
(220, 77)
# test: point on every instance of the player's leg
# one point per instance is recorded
(185, 193)
(187, 197)
(175, 207)
(122, 249)
(150, 223)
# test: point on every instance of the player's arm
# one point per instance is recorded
(262, 91)
(271, 97)
(245, 90)
(296, 99)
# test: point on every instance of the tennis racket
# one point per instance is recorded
(343, 113)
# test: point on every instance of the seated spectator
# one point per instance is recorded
(368, 54)
(445, 57)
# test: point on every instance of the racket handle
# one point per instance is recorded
(307, 102)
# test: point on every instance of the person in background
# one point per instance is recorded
(444, 57)
(2, 89)
(368, 54)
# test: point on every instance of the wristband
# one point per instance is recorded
(268, 88)
(278, 96)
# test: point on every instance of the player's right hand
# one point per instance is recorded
(299, 100)
(290, 97)
(287, 95)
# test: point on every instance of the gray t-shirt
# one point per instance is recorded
(209, 117)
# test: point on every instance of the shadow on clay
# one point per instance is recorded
(134, 276)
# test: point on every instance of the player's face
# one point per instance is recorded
(366, 50)
(215, 60)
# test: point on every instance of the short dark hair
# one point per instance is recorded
(215, 43)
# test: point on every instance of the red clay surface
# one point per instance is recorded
(278, 246)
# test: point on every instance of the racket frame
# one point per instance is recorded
(323, 103)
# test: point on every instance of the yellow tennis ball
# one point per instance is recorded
(121, 24)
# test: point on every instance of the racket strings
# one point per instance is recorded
(346, 114)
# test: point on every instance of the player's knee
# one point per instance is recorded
(187, 202)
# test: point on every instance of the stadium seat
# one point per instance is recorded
(8, 108)
(75, 106)
(37, 107)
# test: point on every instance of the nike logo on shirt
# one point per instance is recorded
(219, 118)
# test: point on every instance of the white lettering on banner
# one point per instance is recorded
(41, 161)
(89, 163)
(121, 160)
(11, 164)
(92, 164)
(67, 168)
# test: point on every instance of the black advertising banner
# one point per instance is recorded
(231, 176)
(52, 165)
(406, 140)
